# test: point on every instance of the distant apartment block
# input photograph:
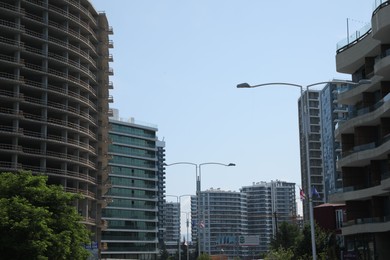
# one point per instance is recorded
(331, 114)
(269, 204)
(171, 227)
(54, 62)
(132, 214)
(364, 137)
(221, 221)
(311, 156)
(242, 223)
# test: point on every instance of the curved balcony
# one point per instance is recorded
(65, 46)
(63, 61)
(366, 225)
(54, 139)
(365, 116)
(361, 192)
(85, 193)
(10, 26)
(58, 107)
(82, 9)
(4, 7)
(47, 154)
(382, 65)
(8, 44)
(60, 91)
(352, 94)
(11, 61)
(11, 78)
(17, 149)
(352, 58)
(49, 171)
(381, 22)
(64, 14)
(62, 29)
(362, 155)
(53, 122)
(60, 75)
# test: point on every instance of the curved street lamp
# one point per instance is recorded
(198, 188)
(178, 200)
(306, 129)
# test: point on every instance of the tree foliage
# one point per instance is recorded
(38, 221)
(289, 239)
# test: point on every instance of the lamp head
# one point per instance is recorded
(231, 164)
(243, 85)
(364, 81)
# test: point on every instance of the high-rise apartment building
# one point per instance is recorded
(221, 221)
(171, 226)
(160, 189)
(54, 62)
(268, 204)
(132, 214)
(364, 138)
(310, 150)
(331, 114)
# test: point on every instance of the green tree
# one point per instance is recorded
(287, 236)
(204, 256)
(280, 254)
(38, 221)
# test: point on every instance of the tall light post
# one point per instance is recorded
(178, 200)
(305, 114)
(187, 225)
(198, 189)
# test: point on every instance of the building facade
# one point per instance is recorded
(310, 150)
(331, 114)
(171, 226)
(268, 204)
(364, 138)
(221, 221)
(54, 61)
(132, 214)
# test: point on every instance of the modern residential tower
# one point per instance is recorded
(269, 204)
(364, 138)
(54, 62)
(132, 213)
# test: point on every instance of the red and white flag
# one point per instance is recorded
(201, 224)
(302, 194)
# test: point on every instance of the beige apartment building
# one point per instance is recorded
(364, 137)
(54, 95)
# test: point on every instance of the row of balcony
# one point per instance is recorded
(67, 46)
(9, 166)
(18, 149)
(65, 14)
(63, 29)
(61, 76)
(364, 111)
(50, 105)
(52, 121)
(48, 138)
(64, 60)
(58, 90)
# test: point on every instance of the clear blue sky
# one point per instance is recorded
(177, 64)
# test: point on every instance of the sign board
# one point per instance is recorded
(253, 240)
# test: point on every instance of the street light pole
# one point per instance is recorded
(198, 190)
(178, 199)
(305, 114)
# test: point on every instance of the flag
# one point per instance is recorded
(314, 192)
(302, 194)
(201, 224)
